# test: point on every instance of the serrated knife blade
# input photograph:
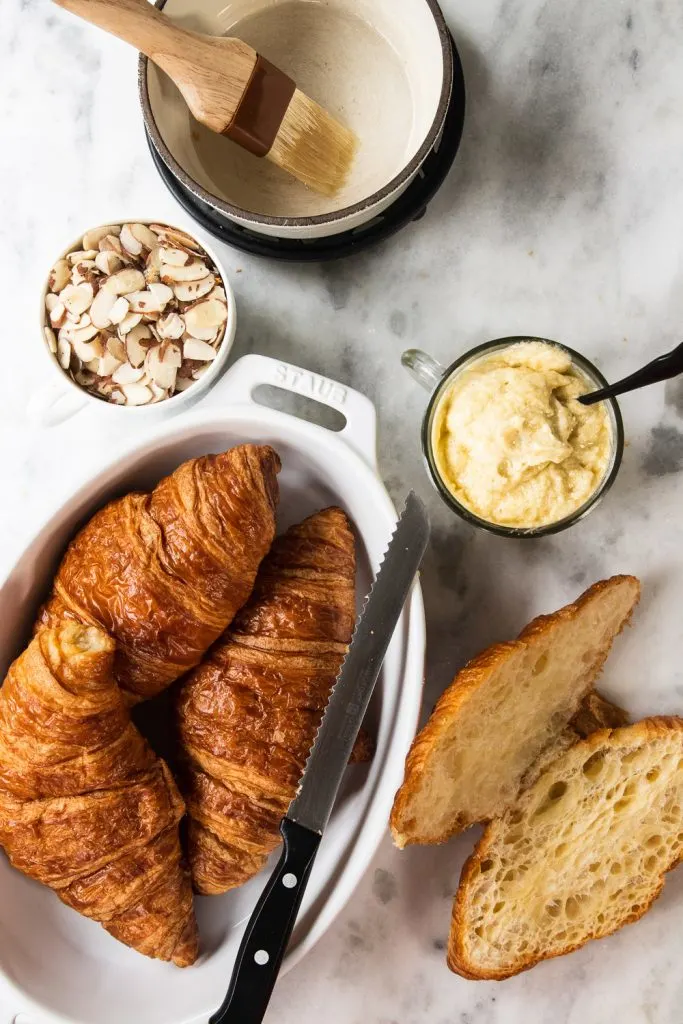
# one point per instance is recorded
(356, 680)
(267, 933)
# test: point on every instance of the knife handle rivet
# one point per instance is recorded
(261, 957)
(289, 880)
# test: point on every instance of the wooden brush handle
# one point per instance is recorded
(211, 72)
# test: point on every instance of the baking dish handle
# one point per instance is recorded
(360, 431)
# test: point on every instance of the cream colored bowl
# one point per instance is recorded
(384, 67)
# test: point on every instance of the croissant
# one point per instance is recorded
(164, 573)
(86, 807)
(247, 717)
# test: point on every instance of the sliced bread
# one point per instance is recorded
(581, 853)
(502, 710)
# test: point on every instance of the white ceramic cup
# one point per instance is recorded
(60, 397)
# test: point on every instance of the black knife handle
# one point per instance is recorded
(270, 926)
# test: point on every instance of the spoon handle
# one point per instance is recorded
(662, 368)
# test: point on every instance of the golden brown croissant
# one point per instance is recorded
(86, 807)
(248, 715)
(164, 573)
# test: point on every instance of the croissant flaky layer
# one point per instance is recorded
(164, 573)
(86, 807)
(248, 715)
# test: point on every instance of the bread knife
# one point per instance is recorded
(270, 926)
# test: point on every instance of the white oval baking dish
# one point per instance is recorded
(56, 966)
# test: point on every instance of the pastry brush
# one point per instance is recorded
(234, 91)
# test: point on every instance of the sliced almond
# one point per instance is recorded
(129, 242)
(116, 347)
(159, 393)
(162, 293)
(81, 254)
(81, 335)
(127, 280)
(190, 291)
(174, 257)
(102, 305)
(91, 365)
(205, 315)
(119, 310)
(193, 348)
(117, 397)
(137, 394)
(92, 238)
(108, 262)
(200, 371)
(204, 334)
(108, 364)
(219, 293)
(51, 300)
(183, 383)
(127, 374)
(77, 297)
(129, 321)
(159, 370)
(87, 349)
(50, 339)
(110, 243)
(190, 272)
(58, 314)
(172, 354)
(176, 237)
(152, 266)
(219, 337)
(144, 302)
(135, 350)
(144, 235)
(59, 276)
(86, 270)
(171, 326)
(63, 353)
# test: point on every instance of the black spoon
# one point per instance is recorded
(663, 368)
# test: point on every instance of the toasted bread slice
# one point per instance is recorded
(581, 853)
(503, 709)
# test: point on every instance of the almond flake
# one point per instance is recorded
(117, 348)
(174, 257)
(160, 371)
(171, 326)
(129, 242)
(59, 276)
(176, 237)
(87, 349)
(152, 266)
(135, 350)
(92, 238)
(63, 353)
(144, 302)
(108, 364)
(51, 300)
(199, 372)
(108, 262)
(50, 339)
(159, 393)
(117, 397)
(100, 311)
(119, 310)
(129, 321)
(127, 280)
(110, 243)
(183, 383)
(127, 374)
(190, 272)
(219, 293)
(193, 348)
(58, 314)
(136, 394)
(205, 315)
(80, 255)
(142, 233)
(190, 291)
(77, 297)
(162, 293)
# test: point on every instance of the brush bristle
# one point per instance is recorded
(312, 146)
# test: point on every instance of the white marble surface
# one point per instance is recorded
(562, 218)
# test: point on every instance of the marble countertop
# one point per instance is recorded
(561, 218)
